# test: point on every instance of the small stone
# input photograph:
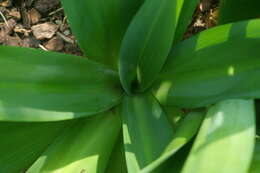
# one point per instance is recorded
(44, 30)
(55, 44)
(34, 16)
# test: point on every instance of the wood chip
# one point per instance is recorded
(55, 44)
(34, 16)
(45, 30)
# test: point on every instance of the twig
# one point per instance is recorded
(4, 19)
(66, 39)
(42, 47)
(56, 11)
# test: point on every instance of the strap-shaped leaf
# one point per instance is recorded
(84, 147)
(212, 66)
(225, 141)
(237, 10)
(146, 131)
(100, 25)
(185, 17)
(186, 130)
(22, 143)
(255, 164)
(147, 43)
(117, 162)
(45, 86)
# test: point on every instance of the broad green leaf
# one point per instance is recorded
(100, 25)
(185, 17)
(84, 147)
(44, 86)
(147, 43)
(212, 66)
(226, 139)
(22, 143)
(255, 164)
(237, 10)
(117, 163)
(186, 130)
(146, 131)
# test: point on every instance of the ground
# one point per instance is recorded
(42, 24)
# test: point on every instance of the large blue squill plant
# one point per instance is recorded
(120, 109)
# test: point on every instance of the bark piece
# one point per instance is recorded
(44, 30)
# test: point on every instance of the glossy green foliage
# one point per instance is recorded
(117, 162)
(237, 10)
(44, 86)
(255, 164)
(149, 39)
(228, 129)
(185, 17)
(82, 147)
(100, 25)
(146, 131)
(148, 127)
(186, 130)
(22, 143)
(206, 69)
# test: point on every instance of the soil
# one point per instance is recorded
(42, 24)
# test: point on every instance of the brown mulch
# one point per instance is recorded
(37, 24)
(42, 24)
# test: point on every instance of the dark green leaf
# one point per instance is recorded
(187, 10)
(226, 139)
(45, 86)
(146, 131)
(237, 10)
(147, 43)
(85, 146)
(22, 143)
(117, 163)
(186, 130)
(100, 25)
(212, 66)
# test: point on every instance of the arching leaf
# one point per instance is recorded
(217, 64)
(146, 131)
(226, 139)
(44, 86)
(84, 147)
(100, 25)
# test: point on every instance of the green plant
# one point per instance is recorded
(65, 114)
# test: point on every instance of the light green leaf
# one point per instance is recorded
(147, 43)
(212, 66)
(84, 147)
(22, 143)
(225, 141)
(146, 131)
(255, 164)
(45, 86)
(237, 10)
(100, 25)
